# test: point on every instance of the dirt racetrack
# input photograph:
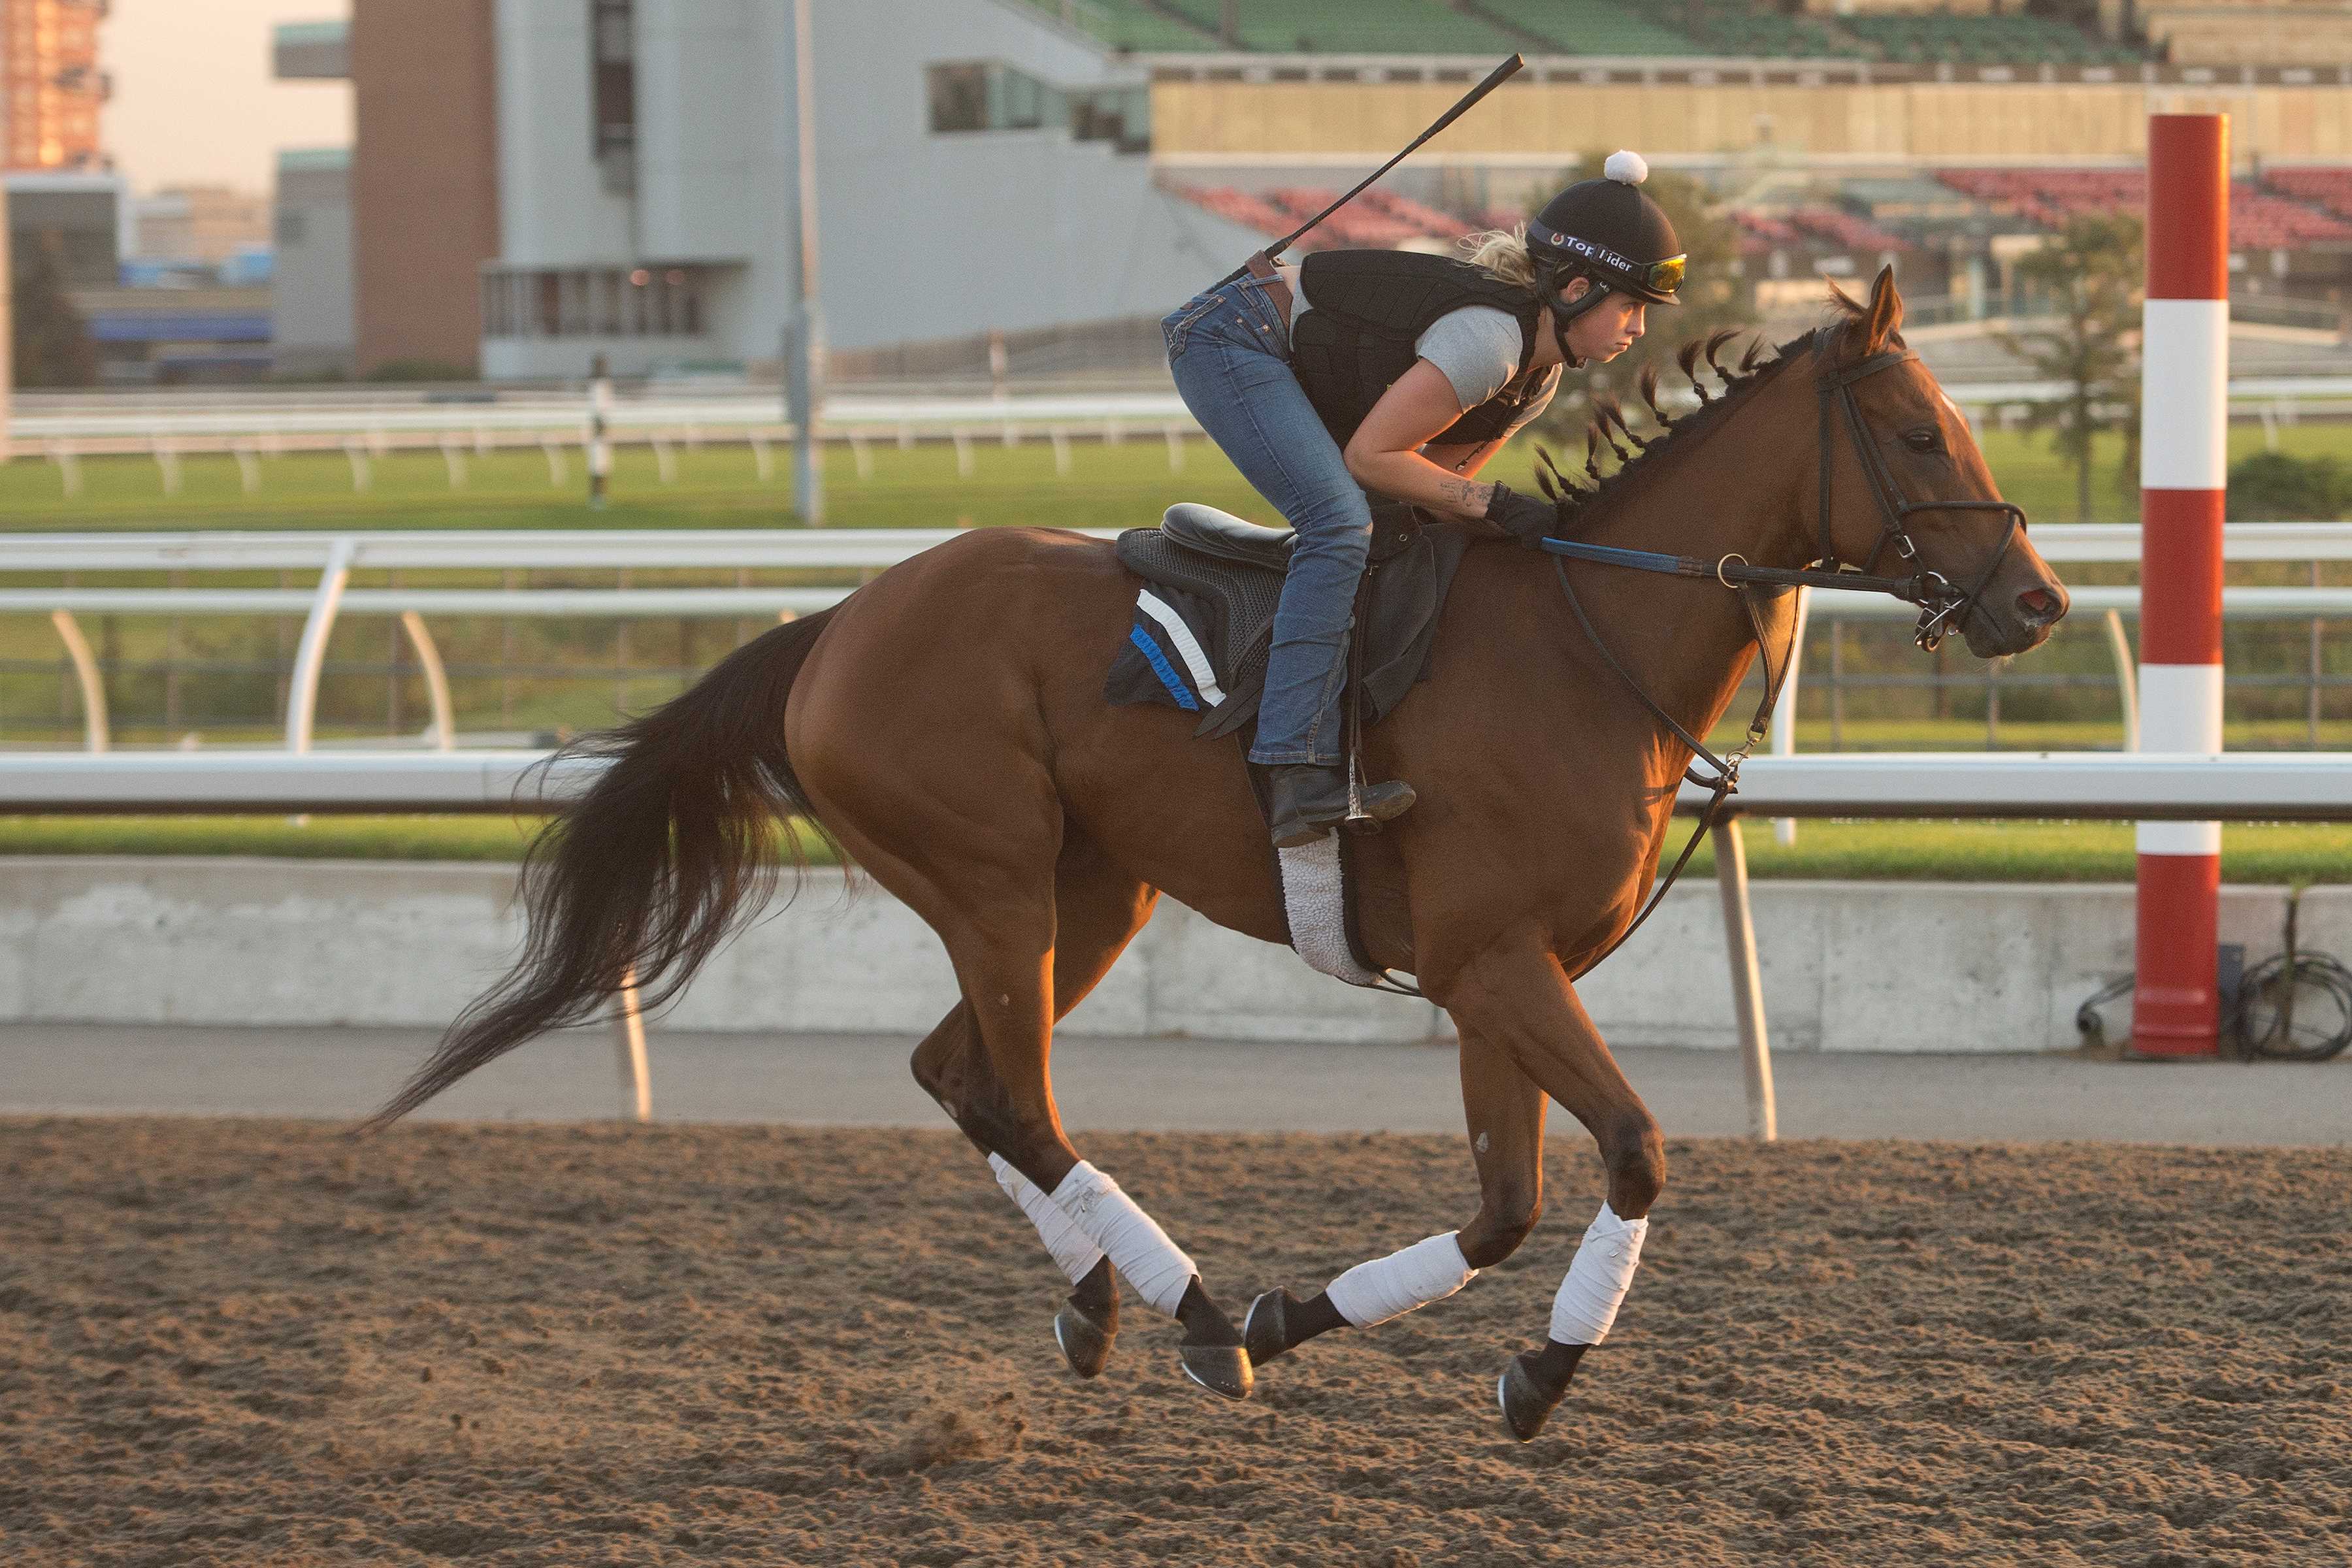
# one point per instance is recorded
(257, 1343)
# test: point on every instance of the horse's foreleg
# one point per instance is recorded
(1505, 1113)
(1522, 999)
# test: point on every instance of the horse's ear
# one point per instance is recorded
(1884, 312)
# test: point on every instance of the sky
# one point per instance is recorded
(194, 100)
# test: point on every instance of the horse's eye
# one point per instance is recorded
(1921, 441)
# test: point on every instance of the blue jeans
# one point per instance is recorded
(1229, 350)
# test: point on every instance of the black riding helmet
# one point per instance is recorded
(1609, 231)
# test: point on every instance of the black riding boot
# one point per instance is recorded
(1310, 799)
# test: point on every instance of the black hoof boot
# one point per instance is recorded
(1212, 1353)
(1089, 1322)
(1085, 1344)
(1527, 1397)
(1265, 1330)
(1222, 1370)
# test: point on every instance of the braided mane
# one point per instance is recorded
(1600, 490)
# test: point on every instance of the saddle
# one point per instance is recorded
(1204, 623)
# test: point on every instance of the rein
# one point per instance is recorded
(1941, 605)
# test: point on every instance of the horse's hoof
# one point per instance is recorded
(1086, 1345)
(1222, 1370)
(1265, 1331)
(1525, 1406)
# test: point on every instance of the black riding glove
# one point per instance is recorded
(1524, 518)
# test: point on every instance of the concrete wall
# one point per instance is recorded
(1847, 966)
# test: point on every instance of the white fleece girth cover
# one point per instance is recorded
(1598, 1279)
(1138, 1247)
(1391, 1286)
(1312, 900)
(1063, 1238)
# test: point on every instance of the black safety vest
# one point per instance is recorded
(1367, 308)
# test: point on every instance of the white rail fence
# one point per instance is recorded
(556, 425)
(2308, 786)
(334, 557)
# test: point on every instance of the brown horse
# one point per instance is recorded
(946, 724)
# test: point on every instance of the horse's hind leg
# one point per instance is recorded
(1504, 1110)
(1097, 911)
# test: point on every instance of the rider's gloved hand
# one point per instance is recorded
(1524, 518)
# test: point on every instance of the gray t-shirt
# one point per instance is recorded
(1478, 348)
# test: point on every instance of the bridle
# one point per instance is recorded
(1941, 605)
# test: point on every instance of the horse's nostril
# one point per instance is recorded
(2039, 604)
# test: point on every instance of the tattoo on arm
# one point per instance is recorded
(1470, 495)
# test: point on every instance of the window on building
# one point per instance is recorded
(613, 84)
(959, 98)
(989, 95)
(604, 302)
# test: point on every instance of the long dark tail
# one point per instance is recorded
(676, 845)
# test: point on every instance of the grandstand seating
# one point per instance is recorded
(2330, 189)
(1376, 220)
(2008, 38)
(2259, 220)
(1758, 233)
(1738, 28)
(1592, 27)
(1844, 231)
(1132, 25)
(1356, 26)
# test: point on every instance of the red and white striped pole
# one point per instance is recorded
(2184, 467)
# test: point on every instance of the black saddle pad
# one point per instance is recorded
(1203, 625)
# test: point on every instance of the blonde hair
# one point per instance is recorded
(1502, 253)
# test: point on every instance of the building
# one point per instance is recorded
(208, 225)
(82, 219)
(538, 183)
(53, 87)
(315, 322)
(977, 166)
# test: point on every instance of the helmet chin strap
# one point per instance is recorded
(1565, 312)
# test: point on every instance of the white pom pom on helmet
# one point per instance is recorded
(1626, 168)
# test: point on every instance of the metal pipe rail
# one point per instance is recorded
(2295, 787)
(335, 556)
(819, 548)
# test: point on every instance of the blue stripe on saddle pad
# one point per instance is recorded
(1172, 683)
(1164, 659)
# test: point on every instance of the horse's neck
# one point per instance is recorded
(1739, 492)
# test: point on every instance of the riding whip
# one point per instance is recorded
(1495, 78)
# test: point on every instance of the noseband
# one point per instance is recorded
(1941, 606)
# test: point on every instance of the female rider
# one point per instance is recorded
(1398, 374)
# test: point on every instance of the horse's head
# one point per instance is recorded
(1907, 488)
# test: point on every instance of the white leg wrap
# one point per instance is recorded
(1392, 1286)
(1138, 1247)
(1063, 1238)
(1598, 1279)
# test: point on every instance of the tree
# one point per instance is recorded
(2093, 271)
(53, 346)
(2274, 487)
(1711, 298)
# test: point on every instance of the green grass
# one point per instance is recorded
(1920, 851)
(2023, 851)
(717, 486)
